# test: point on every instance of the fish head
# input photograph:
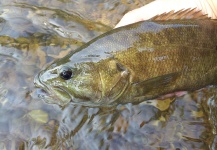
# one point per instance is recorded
(66, 82)
(84, 82)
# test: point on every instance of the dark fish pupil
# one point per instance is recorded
(66, 73)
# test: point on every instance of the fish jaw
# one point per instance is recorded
(56, 93)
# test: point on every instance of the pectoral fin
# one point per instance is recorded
(153, 86)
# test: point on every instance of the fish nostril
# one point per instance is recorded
(47, 75)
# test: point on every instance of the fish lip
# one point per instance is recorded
(38, 83)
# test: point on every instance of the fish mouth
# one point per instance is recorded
(39, 84)
(54, 94)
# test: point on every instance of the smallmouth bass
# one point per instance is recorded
(135, 63)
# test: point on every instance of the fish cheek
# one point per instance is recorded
(85, 85)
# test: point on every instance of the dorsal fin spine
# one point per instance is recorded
(181, 14)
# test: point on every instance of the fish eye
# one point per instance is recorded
(65, 73)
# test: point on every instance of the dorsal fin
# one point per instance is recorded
(182, 14)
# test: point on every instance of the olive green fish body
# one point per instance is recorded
(181, 56)
(136, 62)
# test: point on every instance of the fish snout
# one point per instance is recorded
(37, 81)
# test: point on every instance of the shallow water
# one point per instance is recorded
(32, 34)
